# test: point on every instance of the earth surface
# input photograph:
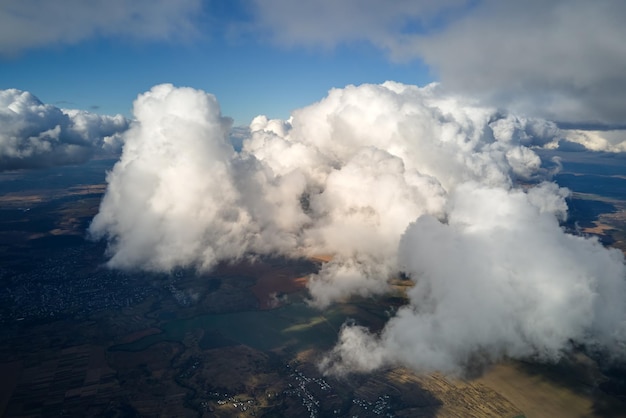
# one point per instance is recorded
(79, 339)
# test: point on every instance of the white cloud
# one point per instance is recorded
(500, 278)
(171, 199)
(344, 176)
(377, 157)
(560, 60)
(609, 141)
(28, 24)
(326, 23)
(386, 178)
(102, 130)
(33, 134)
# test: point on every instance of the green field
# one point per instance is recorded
(295, 325)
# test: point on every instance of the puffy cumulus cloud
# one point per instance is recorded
(171, 198)
(367, 204)
(27, 24)
(445, 136)
(607, 140)
(102, 130)
(377, 157)
(386, 178)
(499, 278)
(344, 176)
(34, 134)
(559, 60)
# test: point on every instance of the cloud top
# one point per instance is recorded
(160, 208)
(34, 134)
(388, 178)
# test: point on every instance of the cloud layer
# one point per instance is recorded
(33, 134)
(26, 24)
(386, 178)
(382, 23)
(561, 60)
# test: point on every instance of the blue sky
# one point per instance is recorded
(104, 74)
(560, 60)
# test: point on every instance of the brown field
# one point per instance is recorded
(75, 379)
(608, 225)
(70, 218)
(270, 286)
(444, 397)
(322, 258)
(148, 380)
(16, 200)
(541, 395)
(612, 225)
(598, 228)
(273, 279)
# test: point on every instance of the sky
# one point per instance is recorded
(102, 70)
(394, 135)
(563, 60)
